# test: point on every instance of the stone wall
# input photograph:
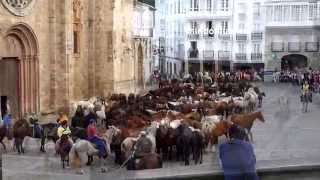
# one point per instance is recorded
(105, 62)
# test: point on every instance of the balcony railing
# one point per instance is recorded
(277, 46)
(256, 56)
(208, 54)
(256, 36)
(208, 36)
(241, 37)
(312, 47)
(241, 56)
(225, 36)
(294, 46)
(193, 36)
(224, 55)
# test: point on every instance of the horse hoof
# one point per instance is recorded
(80, 172)
(103, 170)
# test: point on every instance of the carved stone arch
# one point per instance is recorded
(23, 68)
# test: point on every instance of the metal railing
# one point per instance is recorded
(208, 36)
(256, 56)
(193, 36)
(277, 46)
(225, 36)
(256, 36)
(207, 54)
(241, 37)
(241, 56)
(224, 55)
(294, 46)
(312, 47)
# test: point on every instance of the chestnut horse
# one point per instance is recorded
(246, 120)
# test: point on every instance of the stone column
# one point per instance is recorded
(37, 87)
(21, 86)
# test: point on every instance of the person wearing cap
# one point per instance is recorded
(63, 128)
(64, 144)
(94, 138)
(237, 156)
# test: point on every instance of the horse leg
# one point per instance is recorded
(251, 136)
(17, 145)
(186, 155)
(43, 140)
(4, 146)
(62, 160)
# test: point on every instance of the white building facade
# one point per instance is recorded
(213, 35)
(292, 34)
(143, 27)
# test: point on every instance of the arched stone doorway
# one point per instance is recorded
(20, 71)
(140, 66)
(294, 61)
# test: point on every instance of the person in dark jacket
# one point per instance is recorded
(78, 119)
(237, 156)
(89, 117)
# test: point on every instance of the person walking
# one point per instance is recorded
(306, 96)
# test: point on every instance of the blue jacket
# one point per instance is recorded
(238, 160)
(6, 120)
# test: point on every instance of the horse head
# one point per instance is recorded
(260, 116)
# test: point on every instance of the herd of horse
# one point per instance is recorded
(181, 119)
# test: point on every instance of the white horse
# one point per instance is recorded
(78, 155)
(208, 125)
(108, 135)
(151, 134)
(240, 104)
(252, 99)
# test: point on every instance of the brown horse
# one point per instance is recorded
(149, 161)
(246, 120)
(21, 129)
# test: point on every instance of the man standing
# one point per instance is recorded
(237, 156)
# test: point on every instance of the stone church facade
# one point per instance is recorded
(53, 52)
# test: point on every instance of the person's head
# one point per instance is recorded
(236, 132)
(92, 122)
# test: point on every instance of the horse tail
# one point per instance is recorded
(76, 154)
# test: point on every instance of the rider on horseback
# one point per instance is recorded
(63, 128)
(92, 136)
(142, 147)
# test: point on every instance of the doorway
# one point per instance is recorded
(9, 89)
(3, 105)
(293, 62)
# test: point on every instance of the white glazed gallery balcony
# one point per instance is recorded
(199, 14)
(285, 24)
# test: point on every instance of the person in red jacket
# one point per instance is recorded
(94, 138)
